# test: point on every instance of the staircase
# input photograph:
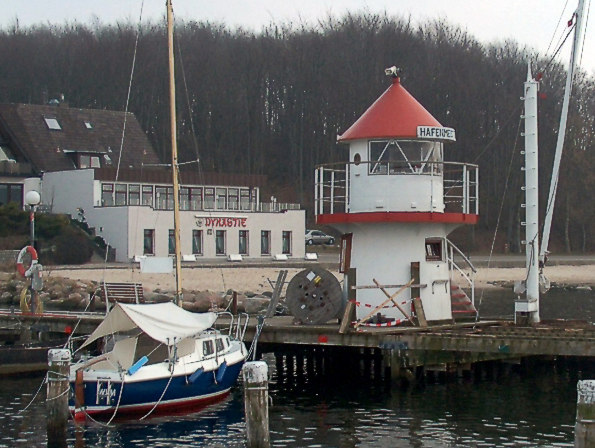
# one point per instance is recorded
(462, 307)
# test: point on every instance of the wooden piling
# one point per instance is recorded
(57, 397)
(584, 430)
(256, 404)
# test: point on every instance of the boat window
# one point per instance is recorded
(207, 348)
(220, 345)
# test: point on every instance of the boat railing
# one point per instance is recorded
(469, 276)
(237, 327)
(459, 183)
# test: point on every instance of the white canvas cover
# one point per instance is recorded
(164, 322)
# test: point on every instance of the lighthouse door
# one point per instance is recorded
(434, 274)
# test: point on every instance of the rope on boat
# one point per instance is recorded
(161, 397)
(34, 396)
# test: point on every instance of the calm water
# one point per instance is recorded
(530, 408)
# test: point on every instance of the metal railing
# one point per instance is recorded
(451, 249)
(460, 182)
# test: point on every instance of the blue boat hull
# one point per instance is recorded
(103, 397)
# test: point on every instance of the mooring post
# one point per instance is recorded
(584, 431)
(256, 403)
(57, 396)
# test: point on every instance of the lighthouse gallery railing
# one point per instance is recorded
(460, 183)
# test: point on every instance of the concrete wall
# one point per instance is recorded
(161, 221)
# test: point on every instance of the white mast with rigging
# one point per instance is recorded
(527, 308)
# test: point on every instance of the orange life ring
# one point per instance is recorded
(31, 250)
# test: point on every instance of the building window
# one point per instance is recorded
(164, 197)
(53, 124)
(434, 250)
(243, 242)
(107, 194)
(233, 198)
(148, 195)
(195, 198)
(221, 198)
(149, 242)
(11, 193)
(171, 242)
(245, 199)
(197, 242)
(88, 125)
(184, 200)
(265, 242)
(220, 242)
(88, 161)
(133, 194)
(286, 242)
(121, 194)
(209, 198)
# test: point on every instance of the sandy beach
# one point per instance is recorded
(256, 279)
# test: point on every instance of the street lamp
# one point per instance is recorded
(32, 199)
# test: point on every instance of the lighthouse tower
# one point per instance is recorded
(395, 202)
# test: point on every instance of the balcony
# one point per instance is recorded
(436, 187)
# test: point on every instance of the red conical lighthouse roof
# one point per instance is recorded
(396, 114)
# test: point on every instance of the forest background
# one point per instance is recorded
(273, 102)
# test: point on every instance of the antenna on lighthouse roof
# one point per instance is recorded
(393, 72)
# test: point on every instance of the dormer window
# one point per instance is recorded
(88, 161)
(53, 124)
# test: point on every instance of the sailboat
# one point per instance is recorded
(527, 303)
(161, 357)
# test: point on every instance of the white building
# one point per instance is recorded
(136, 217)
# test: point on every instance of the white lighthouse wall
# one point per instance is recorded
(405, 192)
(384, 252)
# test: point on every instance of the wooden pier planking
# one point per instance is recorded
(439, 345)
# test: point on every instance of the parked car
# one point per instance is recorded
(318, 237)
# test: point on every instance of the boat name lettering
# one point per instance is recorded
(222, 222)
(105, 392)
(438, 133)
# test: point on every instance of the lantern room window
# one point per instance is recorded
(405, 157)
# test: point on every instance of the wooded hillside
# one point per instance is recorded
(273, 102)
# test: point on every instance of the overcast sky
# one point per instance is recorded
(529, 22)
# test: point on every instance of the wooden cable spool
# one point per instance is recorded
(314, 296)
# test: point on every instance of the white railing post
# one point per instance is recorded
(332, 195)
(321, 190)
(347, 171)
(465, 190)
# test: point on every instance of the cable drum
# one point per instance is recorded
(314, 296)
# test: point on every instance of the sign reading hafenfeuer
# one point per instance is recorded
(436, 133)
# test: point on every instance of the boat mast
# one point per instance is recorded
(561, 132)
(174, 151)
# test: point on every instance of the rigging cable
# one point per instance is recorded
(125, 119)
(499, 214)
